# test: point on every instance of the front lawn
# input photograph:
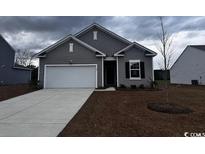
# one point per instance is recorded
(10, 91)
(125, 113)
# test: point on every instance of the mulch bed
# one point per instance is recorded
(11, 91)
(170, 108)
(125, 113)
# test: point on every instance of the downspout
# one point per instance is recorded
(102, 71)
(117, 72)
(152, 70)
(39, 69)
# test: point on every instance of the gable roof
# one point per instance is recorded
(152, 53)
(74, 37)
(200, 47)
(67, 38)
(104, 30)
(3, 40)
(15, 66)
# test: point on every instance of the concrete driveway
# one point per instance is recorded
(41, 113)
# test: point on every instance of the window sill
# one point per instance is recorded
(135, 78)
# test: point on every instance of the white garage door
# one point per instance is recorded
(70, 76)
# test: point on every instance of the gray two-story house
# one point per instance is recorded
(95, 57)
(10, 73)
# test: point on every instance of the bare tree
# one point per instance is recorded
(24, 57)
(166, 50)
(165, 45)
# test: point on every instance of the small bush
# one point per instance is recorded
(122, 86)
(153, 84)
(141, 86)
(35, 84)
(133, 86)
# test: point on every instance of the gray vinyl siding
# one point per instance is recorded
(12, 76)
(189, 66)
(80, 55)
(105, 42)
(8, 74)
(135, 54)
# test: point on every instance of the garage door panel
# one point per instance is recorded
(70, 77)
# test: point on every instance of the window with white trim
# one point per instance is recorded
(135, 69)
(70, 47)
(95, 35)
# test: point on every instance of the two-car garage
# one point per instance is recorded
(70, 76)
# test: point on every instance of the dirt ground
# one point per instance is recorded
(7, 92)
(125, 113)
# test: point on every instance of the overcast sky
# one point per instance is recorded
(36, 33)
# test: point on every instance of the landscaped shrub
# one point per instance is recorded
(153, 84)
(141, 86)
(122, 86)
(133, 86)
(35, 84)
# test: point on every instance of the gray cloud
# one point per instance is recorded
(53, 25)
(52, 28)
(36, 33)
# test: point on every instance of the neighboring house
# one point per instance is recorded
(10, 73)
(189, 68)
(95, 57)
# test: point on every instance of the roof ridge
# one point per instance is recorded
(137, 44)
(104, 29)
(63, 40)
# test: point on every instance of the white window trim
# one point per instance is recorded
(71, 47)
(135, 61)
(95, 35)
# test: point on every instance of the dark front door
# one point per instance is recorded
(110, 78)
